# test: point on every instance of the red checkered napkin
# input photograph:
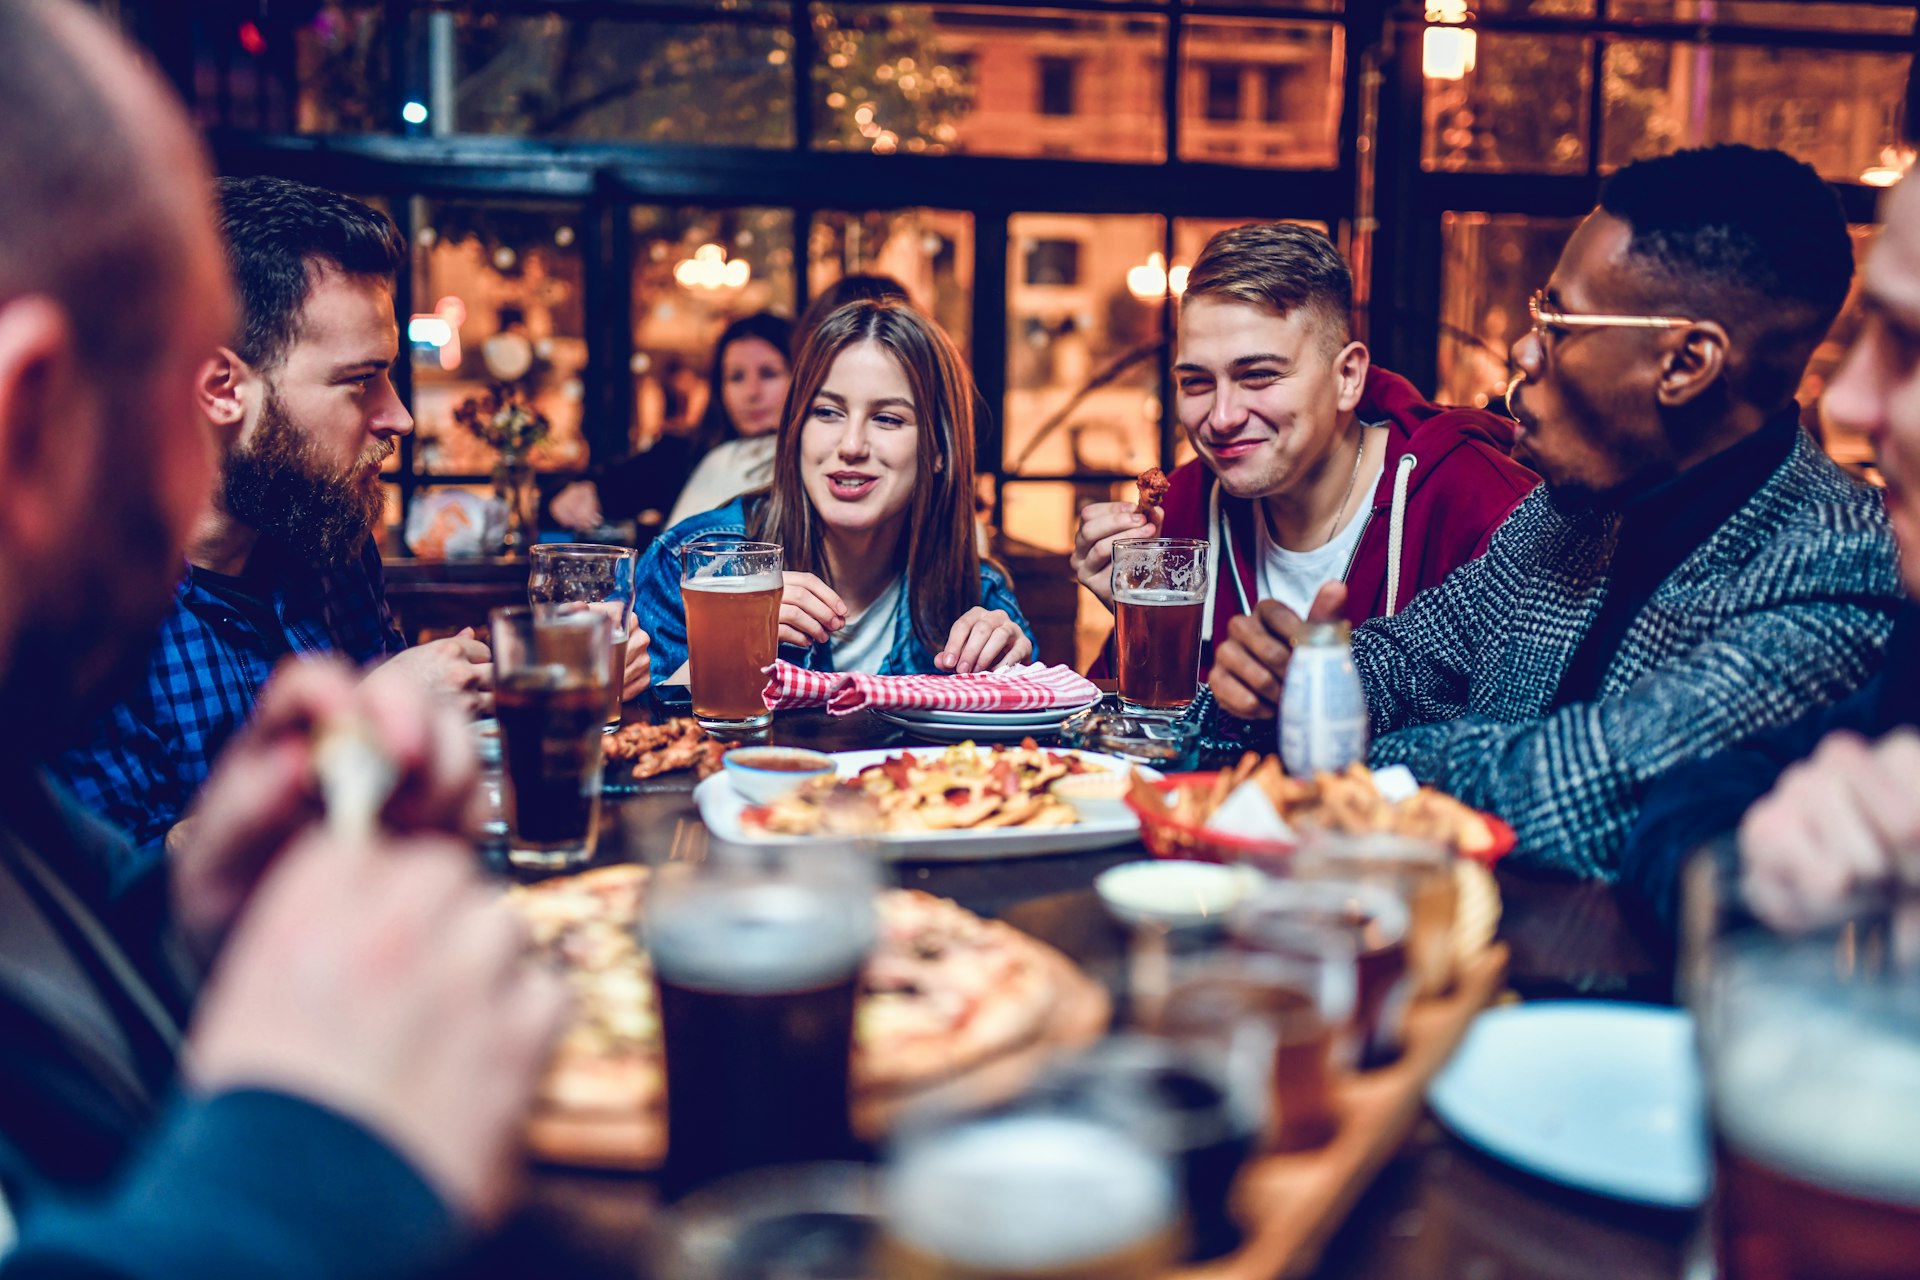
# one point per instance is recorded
(1032, 687)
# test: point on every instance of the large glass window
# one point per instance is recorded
(1021, 81)
(1521, 107)
(1492, 264)
(930, 251)
(1264, 93)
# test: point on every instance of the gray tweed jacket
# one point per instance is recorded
(1785, 607)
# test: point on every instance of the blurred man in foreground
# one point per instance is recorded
(1693, 570)
(347, 1099)
(284, 560)
(1840, 815)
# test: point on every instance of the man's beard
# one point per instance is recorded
(278, 485)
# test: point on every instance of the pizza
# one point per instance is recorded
(961, 788)
(943, 991)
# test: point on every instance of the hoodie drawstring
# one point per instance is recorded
(1396, 529)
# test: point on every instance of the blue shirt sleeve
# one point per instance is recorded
(247, 1183)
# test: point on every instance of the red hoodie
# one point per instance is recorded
(1460, 485)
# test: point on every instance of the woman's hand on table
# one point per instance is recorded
(983, 640)
(810, 611)
(639, 669)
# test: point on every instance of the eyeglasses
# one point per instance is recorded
(1547, 317)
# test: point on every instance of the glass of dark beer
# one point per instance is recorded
(731, 590)
(582, 574)
(758, 953)
(1159, 596)
(551, 670)
(1812, 1053)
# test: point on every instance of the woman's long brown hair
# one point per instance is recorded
(942, 558)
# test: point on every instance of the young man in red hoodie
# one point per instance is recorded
(1314, 465)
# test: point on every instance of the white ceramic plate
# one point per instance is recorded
(721, 806)
(977, 730)
(1045, 715)
(1601, 1096)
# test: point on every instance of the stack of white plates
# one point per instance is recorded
(981, 726)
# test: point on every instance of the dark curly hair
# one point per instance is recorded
(1752, 239)
(276, 231)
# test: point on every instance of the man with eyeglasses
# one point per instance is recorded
(1693, 569)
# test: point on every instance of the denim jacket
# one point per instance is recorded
(662, 617)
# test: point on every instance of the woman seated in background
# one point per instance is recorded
(730, 454)
(872, 499)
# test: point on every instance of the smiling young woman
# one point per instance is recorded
(872, 499)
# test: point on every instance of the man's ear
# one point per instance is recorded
(50, 425)
(221, 388)
(1351, 366)
(1693, 365)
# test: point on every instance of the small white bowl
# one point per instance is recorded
(1096, 797)
(764, 774)
(1174, 892)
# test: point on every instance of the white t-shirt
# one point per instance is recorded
(864, 642)
(1295, 577)
(730, 469)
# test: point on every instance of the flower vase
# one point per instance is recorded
(513, 487)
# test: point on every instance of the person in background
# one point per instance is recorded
(858, 287)
(730, 453)
(283, 561)
(1693, 570)
(343, 1096)
(1825, 810)
(1315, 464)
(872, 498)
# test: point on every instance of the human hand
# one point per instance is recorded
(263, 790)
(810, 611)
(460, 667)
(387, 982)
(1250, 668)
(577, 506)
(983, 639)
(1840, 822)
(1100, 524)
(639, 666)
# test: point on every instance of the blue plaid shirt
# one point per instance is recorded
(144, 760)
(664, 619)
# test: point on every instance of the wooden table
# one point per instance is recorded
(1438, 1210)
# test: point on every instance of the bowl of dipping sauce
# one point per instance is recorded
(1175, 893)
(764, 774)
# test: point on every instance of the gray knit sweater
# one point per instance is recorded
(1785, 607)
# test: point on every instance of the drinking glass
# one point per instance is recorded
(551, 671)
(1811, 1046)
(730, 589)
(1422, 870)
(758, 952)
(580, 573)
(1159, 595)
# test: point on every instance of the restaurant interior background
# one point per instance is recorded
(604, 183)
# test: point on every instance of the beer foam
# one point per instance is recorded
(760, 939)
(1159, 597)
(1028, 1192)
(1824, 1094)
(731, 584)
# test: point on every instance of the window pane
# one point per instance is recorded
(721, 83)
(342, 67)
(1835, 110)
(1492, 263)
(681, 301)
(1328, 6)
(1083, 353)
(1011, 81)
(930, 251)
(1523, 106)
(1256, 92)
(507, 280)
(1883, 19)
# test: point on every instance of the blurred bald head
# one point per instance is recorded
(112, 292)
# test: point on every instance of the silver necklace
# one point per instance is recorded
(1352, 480)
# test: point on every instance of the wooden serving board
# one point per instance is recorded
(1291, 1204)
(637, 1141)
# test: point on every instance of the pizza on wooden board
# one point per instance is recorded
(944, 990)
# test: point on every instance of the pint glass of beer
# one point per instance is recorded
(758, 953)
(731, 592)
(551, 670)
(1812, 1052)
(1421, 870)
(1159, 595)
(580, 573)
